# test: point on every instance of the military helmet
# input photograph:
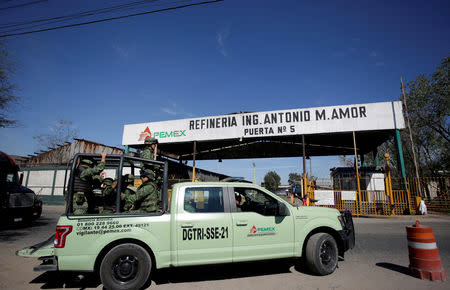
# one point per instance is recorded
(128, 178)
(148, 173)
(87, 161)
(151, 140)
(108, 181)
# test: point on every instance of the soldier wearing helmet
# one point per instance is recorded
(149, 151)
(127, 192)
(109, 196)
(85, 176)
(146, 198)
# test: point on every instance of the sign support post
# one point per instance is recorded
(193, 161)
(358, 193)
(304, 167)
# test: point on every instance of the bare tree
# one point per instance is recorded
(63, 131)
(7, 98)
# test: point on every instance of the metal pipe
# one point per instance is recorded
(193, 161)
(389, 184)
(358, 194)
(165, 197)
(304, 166)
(119, 183)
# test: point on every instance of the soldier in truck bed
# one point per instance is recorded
(149, 150)
(128, 190)
(146, 198)
(85, 176)
(109, 196)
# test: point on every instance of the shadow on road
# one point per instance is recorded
(394, 267)
(56, 280)
(226, 271)
(13, 232)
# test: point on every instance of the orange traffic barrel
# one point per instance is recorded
(424, 260)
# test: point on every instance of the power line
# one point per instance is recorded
(28, 25)
(78, 14)
(23, 4)
(109, 19)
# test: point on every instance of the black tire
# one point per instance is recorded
(322, 254)
(125, 266)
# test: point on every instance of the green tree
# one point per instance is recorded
(293, 177)
(428, 103)
(7, 97)
(272, 181)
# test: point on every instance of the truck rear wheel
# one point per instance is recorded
(322, 254)
(125, 266)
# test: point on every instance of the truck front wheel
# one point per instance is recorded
(125, 266)
(322, 254)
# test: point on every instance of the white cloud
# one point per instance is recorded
(169, 111)
(174, 111)
(122, 52)
(221, 37)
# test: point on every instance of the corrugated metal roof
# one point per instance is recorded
(62, 155)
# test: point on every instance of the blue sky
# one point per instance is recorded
(216, 59)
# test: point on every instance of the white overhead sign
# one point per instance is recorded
(346, 118)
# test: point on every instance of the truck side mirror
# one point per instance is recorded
(21, 178)
(282, 209)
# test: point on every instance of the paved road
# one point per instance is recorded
(379, 261)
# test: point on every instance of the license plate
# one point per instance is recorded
(17, 219)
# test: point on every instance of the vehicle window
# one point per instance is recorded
(10, 177)
(253, 200)
(203, 199)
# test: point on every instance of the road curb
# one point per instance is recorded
(404, 217)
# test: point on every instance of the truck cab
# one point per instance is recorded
(18, 203)
(202, 223)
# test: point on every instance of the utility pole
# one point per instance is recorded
(410, 137)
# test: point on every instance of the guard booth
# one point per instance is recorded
(322, 131)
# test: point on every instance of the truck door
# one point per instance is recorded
(258, 232)
(203, 226)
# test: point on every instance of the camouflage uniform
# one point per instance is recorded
(127, 192)
(109, 197)
(83, 198)
(148, 153)
(146, 198)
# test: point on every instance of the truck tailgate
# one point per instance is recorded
(42, 249)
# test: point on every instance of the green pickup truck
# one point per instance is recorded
(199, 223)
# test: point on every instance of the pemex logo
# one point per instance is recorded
(145, 134)
(261, 231)
(161, 134)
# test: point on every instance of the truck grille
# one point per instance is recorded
(21, 199)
